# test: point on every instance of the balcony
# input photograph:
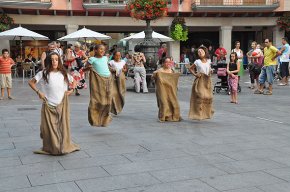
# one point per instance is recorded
(28, 4)
(235, 5)
(107, 4)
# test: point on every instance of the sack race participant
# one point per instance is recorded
(166, 82)
(55, 117)
(118, 68)
(100, 89)
(201, 94)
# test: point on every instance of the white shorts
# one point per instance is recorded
(5, 81)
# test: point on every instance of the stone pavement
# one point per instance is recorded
(244, 148)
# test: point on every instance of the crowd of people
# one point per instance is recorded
(62, 73)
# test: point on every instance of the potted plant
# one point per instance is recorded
(179, 30)
(5, 22)
(283, 22)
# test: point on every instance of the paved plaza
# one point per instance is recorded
(244, 148)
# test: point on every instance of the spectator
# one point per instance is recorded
(255, 56)
(284, 59)
(267, 72)
(221, 53)
(5, 73)
(45, 59)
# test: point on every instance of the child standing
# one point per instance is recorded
(100, 88)
(233, 67)
(201, 94)
(55, 121)
(5, 73)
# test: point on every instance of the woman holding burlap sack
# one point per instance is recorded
(166, 82)
(55, 117)
(118, 68)
(100, 88)
(201, 95)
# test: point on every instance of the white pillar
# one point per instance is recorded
(4, 44)
(174, 50)
(226, 38)
(277, 36)
(70, 28)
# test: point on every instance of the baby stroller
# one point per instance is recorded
(222, 75)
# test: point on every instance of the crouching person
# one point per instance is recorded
(55, 115)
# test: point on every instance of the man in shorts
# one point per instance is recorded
(268, 70)
(5, 73)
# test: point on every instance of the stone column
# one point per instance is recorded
(226, 38)
(174, 50)
(70, 28)
(4, 44)
(277, 36)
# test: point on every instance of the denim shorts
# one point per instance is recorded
(267, 74)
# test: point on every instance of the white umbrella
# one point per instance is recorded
(140, 36)
(20, 33)
(85, 34)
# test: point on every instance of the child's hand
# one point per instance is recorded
(68, 93)
(41, 95)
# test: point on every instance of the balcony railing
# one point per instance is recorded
(30, 4)
(108, 4)
(236, 4)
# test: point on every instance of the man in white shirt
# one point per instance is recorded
(284, 59)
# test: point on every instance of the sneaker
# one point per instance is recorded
(9, 97)
(1, 98)
(282, 84)
(267, 93)
(78, 94)
(258, 92)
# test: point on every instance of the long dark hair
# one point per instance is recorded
(49, 68)
(236, 57)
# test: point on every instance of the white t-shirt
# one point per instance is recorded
(285, 55)
(55, 88)
(118, 66)
(203, 67)
(59, 52)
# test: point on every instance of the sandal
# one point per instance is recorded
(258, 92)
(267, 93)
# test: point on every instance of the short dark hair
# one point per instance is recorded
(285, 38)
(270, 40)
(137, 48)
(98, 46)
(4, 50)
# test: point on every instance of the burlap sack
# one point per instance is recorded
(201, 99)
(55, 129)
(166, 93)
(100, 100)
(118, 93)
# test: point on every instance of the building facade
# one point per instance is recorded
(209, 21)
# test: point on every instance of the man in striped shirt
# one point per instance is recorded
(5, 73)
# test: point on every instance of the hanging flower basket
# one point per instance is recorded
(147, 10)
(5, 22)
(283, 22)
(179, 30)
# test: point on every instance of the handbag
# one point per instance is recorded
(80, 64)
